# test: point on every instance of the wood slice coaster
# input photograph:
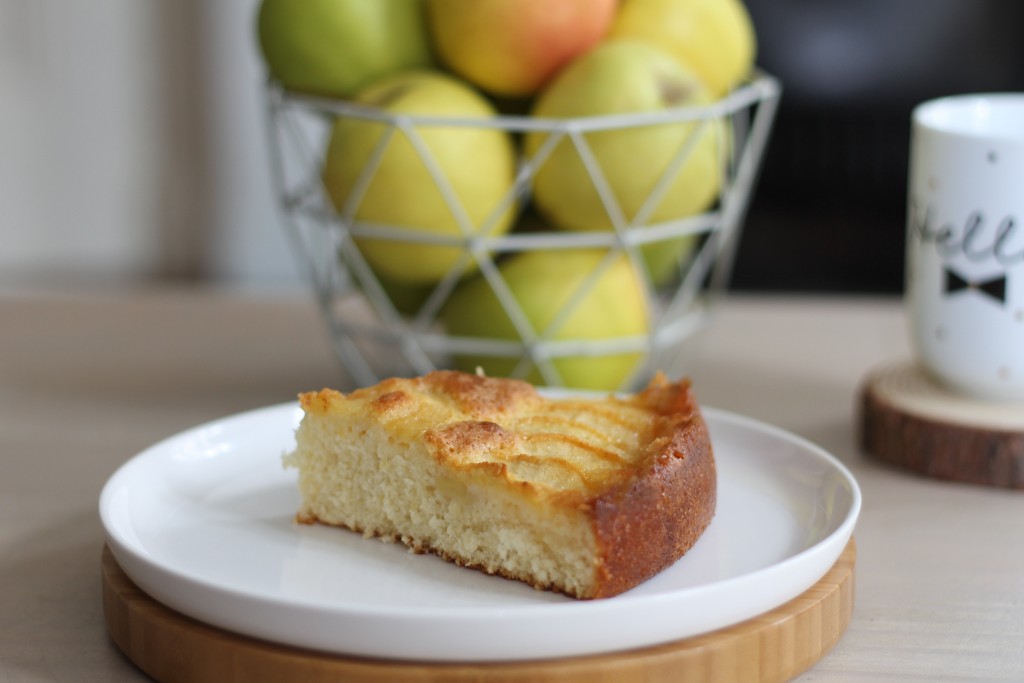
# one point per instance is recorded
(770, 648)
(909, 419)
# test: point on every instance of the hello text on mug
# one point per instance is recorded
(977, 238)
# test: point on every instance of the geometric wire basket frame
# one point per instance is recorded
(374, 340)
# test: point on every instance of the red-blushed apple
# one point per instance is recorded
(511, 48)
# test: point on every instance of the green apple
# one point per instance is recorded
(336, 47)
(405, 297)
(715, 38)
(513, 47)
(628, 77)
(477, 163)
(612, 306)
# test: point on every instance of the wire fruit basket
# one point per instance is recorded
(380, 328)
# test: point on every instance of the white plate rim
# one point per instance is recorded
(791, 576)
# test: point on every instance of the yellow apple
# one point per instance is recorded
(543, 283)
(628, 77)
(336, 47)
(715, 38)
(513, 47)
(477, 163)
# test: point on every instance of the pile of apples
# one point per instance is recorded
(549, 59)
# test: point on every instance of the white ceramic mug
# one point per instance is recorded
(965, 243)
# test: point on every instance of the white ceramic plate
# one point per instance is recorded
(203, 522)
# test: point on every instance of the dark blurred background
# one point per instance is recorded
(828, 214)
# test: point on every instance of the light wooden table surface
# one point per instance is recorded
(89, 379)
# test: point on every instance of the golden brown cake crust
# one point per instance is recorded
(645, 511)
(648, 524)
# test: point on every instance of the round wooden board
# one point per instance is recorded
(773, 647)
(909, 419)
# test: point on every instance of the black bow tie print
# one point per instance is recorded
(995, 288)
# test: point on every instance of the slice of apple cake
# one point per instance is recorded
(585, 496)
